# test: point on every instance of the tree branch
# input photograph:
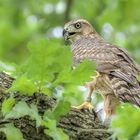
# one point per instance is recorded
(68, 8)
(79, 125)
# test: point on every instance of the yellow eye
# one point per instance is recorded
(77, 25)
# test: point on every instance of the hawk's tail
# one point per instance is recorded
(126, 92)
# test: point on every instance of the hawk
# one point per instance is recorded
(117, 72)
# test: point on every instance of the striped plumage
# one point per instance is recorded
(118, 71)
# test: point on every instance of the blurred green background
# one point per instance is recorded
(22, 21)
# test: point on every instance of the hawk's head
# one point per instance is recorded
(76, 28)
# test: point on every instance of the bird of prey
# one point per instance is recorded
(117, 72)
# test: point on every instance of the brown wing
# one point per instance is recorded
(124, 91)
(110, 59)
(125, 67)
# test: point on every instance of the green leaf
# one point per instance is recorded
(52, 117)
(34, 114)
(57, 134)
(7, 105)
(61, 109)
(83, 72)
(45, 63)
(11, 132)
(127, 117)
(8, 67)
(24, 86)
(54, 132)
(22, 109)
(79, 76)
(19, 110)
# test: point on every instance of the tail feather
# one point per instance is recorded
(126, 92)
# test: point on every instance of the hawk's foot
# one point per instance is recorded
(85, 105)
(96, 76)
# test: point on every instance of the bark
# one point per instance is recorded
(79, 125)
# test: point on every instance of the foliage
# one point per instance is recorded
(54, 132)
(43, 72)
(62, 108)
(22, 109)
(126, 125)
(12, 133)
(24, 86)
(7, 105)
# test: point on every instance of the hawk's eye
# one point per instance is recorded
(77, 25)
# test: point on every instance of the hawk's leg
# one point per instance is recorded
(87, 104)
(90, 85)
(110, 104)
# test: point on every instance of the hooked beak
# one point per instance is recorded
(64, 31)
(67, 34)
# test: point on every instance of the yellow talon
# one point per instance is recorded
(85, 105)
(97, 75)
